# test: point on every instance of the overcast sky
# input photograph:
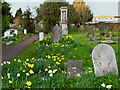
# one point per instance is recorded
(98, 7)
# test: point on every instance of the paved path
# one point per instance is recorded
(14, 51)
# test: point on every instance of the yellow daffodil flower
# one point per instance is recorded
(28, 83)
(10, 81)
(23, 70)
(32, 65)
(51, 75)
(31, 72)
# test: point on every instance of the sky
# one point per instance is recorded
(98, 7)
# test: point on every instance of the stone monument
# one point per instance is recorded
(41, 36)
(104, 60)
(56, 33)
(63, 23)
(25, 31)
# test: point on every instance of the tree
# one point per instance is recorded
(6, 16)
(82, 12)
(27, 22)
(19, 13)
(49, 12)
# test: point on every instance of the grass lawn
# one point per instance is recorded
(78, 48)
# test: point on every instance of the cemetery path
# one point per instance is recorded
(14, 51)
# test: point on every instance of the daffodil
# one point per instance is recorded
(14, 59)
(2, 77)
(19, 60)
(49, 56)
(54, 59)
(55, 70)
(46, 69)
(27, 74)
(109, 86)
(62, 58)
(23, 70)
(51, 75)
(31, 72)
(8, 62)
(103, 85)
(18, 75)
(20, 68)
(1, 64)
(49, 66)
(33, 58)
(4, 62)
(27, 60)
(29, 65)
(28, 83)
(59, 60)
(10, 81)
(50, 71)
(32, 65)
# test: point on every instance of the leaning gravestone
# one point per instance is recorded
(41, 36)
(104, 60)
(118, 40)
(56, 33)
(15, 31)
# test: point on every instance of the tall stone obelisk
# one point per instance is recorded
(63, 22)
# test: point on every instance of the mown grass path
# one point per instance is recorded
(12, 52)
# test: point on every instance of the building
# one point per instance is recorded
(106, 19)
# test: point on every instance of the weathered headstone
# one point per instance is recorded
(118, 40)
(56, 33)
(25, 31)
(74, 68)
(95, 40)
(104, 60)
(111, 36)
(41, 36)
(90, 37)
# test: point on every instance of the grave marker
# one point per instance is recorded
(25, 31)
(118, 40)
(56, 33)
(41, 36)
(95, 40)
(104, 60)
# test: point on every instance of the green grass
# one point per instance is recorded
(81, 49)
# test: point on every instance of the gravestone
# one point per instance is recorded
(25, 31)
(15, 31)
(90, 37)
(56, 33)
(108, 42)
(63, 22)
(118, 40)
(104, 60)
(95, 40)
(7, 33)
(10, 42)
(41, 36)
(111, 36)
(74, 67)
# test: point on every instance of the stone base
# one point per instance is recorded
(64, 29)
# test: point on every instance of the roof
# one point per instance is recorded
(103, 16)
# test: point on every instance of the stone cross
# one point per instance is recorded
(56, 33)
(118, 40)
(95, 40)
(25, 31)
(104, 60)
(41, 36)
